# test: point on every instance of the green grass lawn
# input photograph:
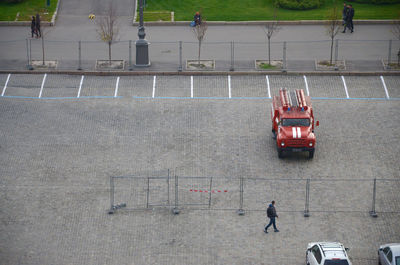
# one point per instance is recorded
(242, 10)
(27, 8)
(155, 16)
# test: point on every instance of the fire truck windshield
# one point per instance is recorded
(296, 122)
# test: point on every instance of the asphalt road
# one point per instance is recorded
(57, 154)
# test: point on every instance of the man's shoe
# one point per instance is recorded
(276, 230)
(265, 231)
(343, 31)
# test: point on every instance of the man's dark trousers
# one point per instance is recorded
(271, 222)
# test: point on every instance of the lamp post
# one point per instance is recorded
(142, 45)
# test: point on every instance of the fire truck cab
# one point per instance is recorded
(293, 122)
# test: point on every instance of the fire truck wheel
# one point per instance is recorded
(280, 153)
(311, 154)
(273, 134)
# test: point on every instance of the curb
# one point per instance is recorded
(28, 23)
(215, 73)
(262, 22)
(53, 18)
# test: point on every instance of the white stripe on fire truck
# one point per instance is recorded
(294, 132)
(298, 132)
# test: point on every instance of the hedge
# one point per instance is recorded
(11, 1)
(302, 4)
(376, 2)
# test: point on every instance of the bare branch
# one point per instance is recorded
(396, 27)
(108, 27)
(332, 25)
(272, 26)
(333, 22)
(199, 32)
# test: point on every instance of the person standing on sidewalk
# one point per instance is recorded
(39, 33)
(271, 213)
(33, 26)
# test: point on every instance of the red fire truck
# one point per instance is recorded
(293, 122)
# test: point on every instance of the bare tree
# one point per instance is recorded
(333, 23)
(396, 32)
(270, 28)
(108, 28)
(199, 32)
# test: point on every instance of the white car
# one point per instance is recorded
(389, 254)
(327, 253)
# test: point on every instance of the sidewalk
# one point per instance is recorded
(362, 50)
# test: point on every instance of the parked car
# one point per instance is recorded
(327, 253)
(389, 254)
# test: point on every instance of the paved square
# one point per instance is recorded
(56, 157)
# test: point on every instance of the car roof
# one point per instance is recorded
(331, 249)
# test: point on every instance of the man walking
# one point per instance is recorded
(39, 32)
(271, 213)
(349, 19)
(33, 26)
(350, 15)
(344, 14)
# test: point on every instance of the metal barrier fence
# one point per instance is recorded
(254, 194)
(228, 55)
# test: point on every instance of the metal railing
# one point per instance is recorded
(172, 56)
(243, 194)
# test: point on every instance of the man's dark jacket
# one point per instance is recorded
(271, 211)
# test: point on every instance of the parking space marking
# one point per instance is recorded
(305, 81)
(116, 87)
(268, 86)
(345, 87)
(80, 87)
(191, 86)
(154, 86)
(5, 85)
(229, 86)
(384, 86)
(41, 88)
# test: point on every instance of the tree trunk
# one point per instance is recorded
(331, 51)
(199, 53)
(42, 50)
(398, 58)
(109, 53)
(269, 50)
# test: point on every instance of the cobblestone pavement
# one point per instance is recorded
(49, 86)
(58, 152)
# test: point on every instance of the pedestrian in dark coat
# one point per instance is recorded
(39, 32)
(33, 26)
(350, 15)
(271, 213)
(197, 18)
(349, 19)
(344, 13)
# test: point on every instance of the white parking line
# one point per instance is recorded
(80, 87)
(268, 87)
(191, 86)
(154, 86)
(41, 88)
(345, 87)
(305, 81)
(116, 88)
(5, 85)
(229, 86)
(384, 86)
